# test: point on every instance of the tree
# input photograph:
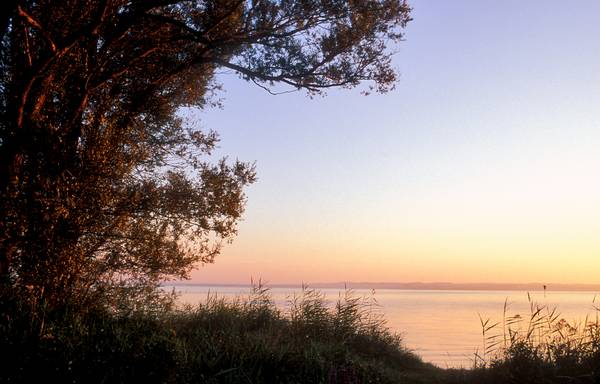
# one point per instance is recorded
(102, 187)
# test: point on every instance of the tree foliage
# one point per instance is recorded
(102, 187)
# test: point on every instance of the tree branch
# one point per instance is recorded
(32, 21)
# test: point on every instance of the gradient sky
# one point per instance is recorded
(482, 166)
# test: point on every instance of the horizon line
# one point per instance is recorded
(414, 285)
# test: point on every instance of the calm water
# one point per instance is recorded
(443, 327)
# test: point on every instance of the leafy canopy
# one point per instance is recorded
(103, 189)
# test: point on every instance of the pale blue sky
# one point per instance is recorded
(485, 156)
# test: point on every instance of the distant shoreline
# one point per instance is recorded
(435, 286)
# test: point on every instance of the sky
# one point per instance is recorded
(481, 166)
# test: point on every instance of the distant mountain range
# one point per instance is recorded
(440, 286)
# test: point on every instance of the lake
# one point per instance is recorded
(443, 327)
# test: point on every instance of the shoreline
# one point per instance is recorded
(413, 286)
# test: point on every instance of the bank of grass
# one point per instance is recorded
(242, 341)
(251, 341)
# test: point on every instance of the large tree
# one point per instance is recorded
(102, 188)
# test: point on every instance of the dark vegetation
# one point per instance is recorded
(247, 341)
(250, 340)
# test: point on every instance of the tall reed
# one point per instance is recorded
(541, 346)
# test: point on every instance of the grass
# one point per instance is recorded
(538, 347)
(253, 341)
(241, 341)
